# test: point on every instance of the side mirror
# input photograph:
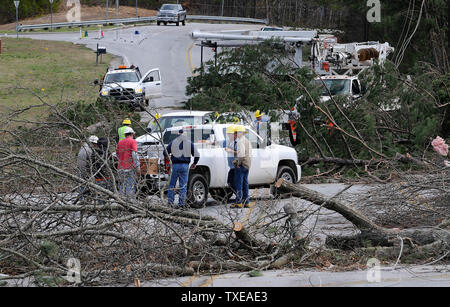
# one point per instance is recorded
(149, 129)
(96, 81)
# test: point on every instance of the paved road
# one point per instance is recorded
(401, 276)
(169, 48)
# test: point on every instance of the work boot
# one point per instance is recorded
(247, 206)
(237, 206)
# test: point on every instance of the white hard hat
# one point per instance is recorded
(128, 130)
(93, 139)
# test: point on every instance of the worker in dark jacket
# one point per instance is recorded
(84, 165)
(181, 150)
(102, 167)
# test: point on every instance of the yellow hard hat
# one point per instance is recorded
(239, 128)
(157, 116)
(126, 121)
(258, 113)
(231, 129)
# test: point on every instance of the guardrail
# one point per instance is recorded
(85, 23)
(227, 19)
(136, 20)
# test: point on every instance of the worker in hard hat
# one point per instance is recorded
(260, 124)
(230, 146)
(128, 164)
(126, 123)
(102, 168)
(242, 164)
(154, 125)
(84, 164)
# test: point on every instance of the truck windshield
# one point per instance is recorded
(169, 7)
(335, 86)
(173, 121)
(121, 77)
(194, 135)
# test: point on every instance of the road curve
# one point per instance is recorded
(169, 48)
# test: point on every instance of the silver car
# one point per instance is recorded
(171, 13)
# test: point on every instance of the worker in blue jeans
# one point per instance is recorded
(242, 165)
(181, 150)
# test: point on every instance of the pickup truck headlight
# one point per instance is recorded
(105, 92)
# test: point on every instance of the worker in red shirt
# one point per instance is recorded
(128, 165)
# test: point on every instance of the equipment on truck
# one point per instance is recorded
(337, 65)
(328, 57)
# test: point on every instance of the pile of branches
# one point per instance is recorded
(53, 232)
(49, 236)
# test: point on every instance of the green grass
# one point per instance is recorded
(52, 71)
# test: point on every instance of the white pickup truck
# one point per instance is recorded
(269, 162)
(127, 85)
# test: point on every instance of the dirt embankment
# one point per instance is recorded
(87, 13)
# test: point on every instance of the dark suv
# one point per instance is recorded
(171, 13)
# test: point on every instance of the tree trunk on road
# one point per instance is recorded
(369, 230)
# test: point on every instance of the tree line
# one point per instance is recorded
(27, 8)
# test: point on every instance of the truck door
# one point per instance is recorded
(356, 89)
(152, 84)
(261, 170)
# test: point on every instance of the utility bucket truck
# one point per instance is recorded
(339, 65)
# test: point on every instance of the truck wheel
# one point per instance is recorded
(197, 193)
(221, 195)
(178, 23)
(286, 173)
(165, 23)
(158, 23)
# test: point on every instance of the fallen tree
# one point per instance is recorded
(427, 239)
(45, 224)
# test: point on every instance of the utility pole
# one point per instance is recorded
(136, 9)
(16, 3)
(268, 11)
(117, 8)
(223, 2)
(51, 15)
(106, 9)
